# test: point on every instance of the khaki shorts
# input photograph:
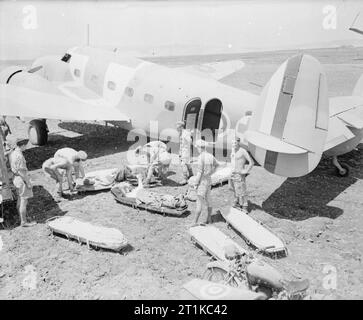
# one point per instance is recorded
(239, 184)
(22, 189)
(204, 189)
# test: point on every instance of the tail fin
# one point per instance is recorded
(289, 126)
(358, 89)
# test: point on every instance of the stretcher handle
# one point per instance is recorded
(52, 218)
(265, 248)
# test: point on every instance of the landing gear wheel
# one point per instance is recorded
(344, 172)
(38, 132)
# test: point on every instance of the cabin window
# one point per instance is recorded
(169, 105)
(129, 91)
(77, 73)
(148, 98)
(111, 85)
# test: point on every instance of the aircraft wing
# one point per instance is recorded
(215, 70)
(346, 115)
(25, 102)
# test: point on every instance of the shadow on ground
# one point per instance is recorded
(97, 141)
(40, 208)
(309, 196)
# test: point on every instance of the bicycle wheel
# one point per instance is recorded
(219, 275)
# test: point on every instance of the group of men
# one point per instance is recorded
(207, 164)
(67, 161)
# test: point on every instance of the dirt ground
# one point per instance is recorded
(318, 215)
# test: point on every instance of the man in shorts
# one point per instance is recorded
(242, 164)
(206, 165)
(54, 167)
(74, 159)
(185, 142)
(21, 178)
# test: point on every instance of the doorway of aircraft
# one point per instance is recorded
(191, 113)
(211, 119)
(191, 117)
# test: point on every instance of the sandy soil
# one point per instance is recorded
(318, 215)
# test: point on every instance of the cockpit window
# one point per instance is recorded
(66, 57)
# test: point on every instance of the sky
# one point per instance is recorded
(162, 28)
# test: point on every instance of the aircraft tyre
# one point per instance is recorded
(344, 172)
(38, 132)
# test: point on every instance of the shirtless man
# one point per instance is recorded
(65, 159)
(206, 165)
(54, 167)
(74, 159)
(239, 158)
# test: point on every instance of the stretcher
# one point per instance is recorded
(85, 232)
(221, 175)
(103, 180)
(198, 289)
(132, 202)
(254, 232)
(213, 241)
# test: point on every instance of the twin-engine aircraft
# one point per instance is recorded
(286, 129)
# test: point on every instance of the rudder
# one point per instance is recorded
(289, 126)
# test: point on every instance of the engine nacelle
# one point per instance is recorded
(53, 68)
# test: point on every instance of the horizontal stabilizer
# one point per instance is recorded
(351, 119)
(271, 143)
(338, 133)
(289, 126)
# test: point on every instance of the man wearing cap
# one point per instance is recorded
(185, 142)
(206, 165)
(70, 159)
(21, 178)
(239, 158)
